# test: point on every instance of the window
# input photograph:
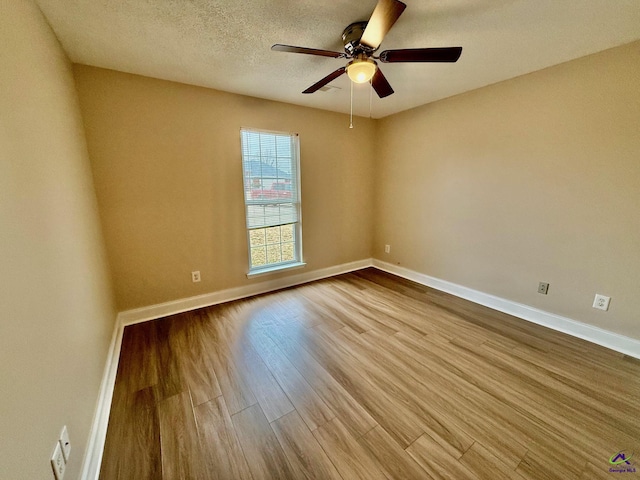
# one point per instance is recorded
(270, 162)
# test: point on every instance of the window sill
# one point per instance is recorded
(276, 269)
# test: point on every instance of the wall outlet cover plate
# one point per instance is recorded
(601, 302)
(543, 288)
(57, 462)
(65, 444)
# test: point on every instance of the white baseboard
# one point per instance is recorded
(129, 317)
(93, 457)
(614, 341)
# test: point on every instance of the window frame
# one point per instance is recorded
(297, 262)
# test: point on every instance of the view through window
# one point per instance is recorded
(270, 165)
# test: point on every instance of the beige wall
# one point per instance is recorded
(533, 179)
(55, 299)
(167, 168)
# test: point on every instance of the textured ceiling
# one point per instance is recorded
(225, 44)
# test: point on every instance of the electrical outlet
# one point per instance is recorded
(387, 249)
(601, 302)
(195, 276)
(65, 444)
(543, 288)
(57, 462)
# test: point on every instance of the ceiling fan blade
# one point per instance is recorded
(329, 78)
(380, 84)
(446, 54)
(382, 19)
(309, 51)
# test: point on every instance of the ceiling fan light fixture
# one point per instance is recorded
(361, 40)
(361, 70)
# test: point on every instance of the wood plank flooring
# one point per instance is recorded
(366, 376)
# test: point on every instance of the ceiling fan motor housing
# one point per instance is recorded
(361, 40)
(351, 39)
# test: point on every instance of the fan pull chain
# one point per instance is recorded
(351, 117)
(370, 94)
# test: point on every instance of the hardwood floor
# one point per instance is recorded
(366, 376)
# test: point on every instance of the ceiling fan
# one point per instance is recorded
(362, 39)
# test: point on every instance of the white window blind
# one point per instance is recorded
(272, 197)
